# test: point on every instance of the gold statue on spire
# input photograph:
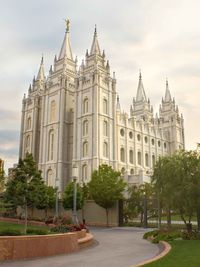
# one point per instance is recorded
(67, 24)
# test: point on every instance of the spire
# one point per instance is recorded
(66, 46)
(118, 107)
(41, 75)
(167, 93)
(141, 96)
(95, 49)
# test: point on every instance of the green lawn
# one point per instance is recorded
(15, 226)
(184, 253)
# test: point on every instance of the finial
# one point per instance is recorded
(95, 30)
(55, 58)
(87, 54)
(117, 98)
(140, 75)
(50, 70)
(113, 74)
(103, 54)
(42, 59)
(76, 59)
(107, 64)
(67, 22)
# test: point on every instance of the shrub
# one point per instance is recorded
(33, 231)
(162, 235)
(10, 232)
(194, 235)
(60, 229)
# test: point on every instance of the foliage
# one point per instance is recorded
(60, 229)
(33, 231)
(10, 232)
(177, 182)
(68, 196)
(162, 235)
(27, 186)
(106, 187)
(2, 181)
(47, 199)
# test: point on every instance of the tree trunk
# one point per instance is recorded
(169, 218)
(83, 214)
(159, 213)
(107, 224)
(198, 219)
(26, 219)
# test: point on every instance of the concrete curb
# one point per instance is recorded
(165, 251)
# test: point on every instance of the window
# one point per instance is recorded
(85, 149)
(85, 106)
(131, 156)
(152, 142)
(146, 159)
(130, 135)
(146, 139)
(122, 132)
(159, 143)
(132, 171)
(84, 172)
(153, 160)
(122, 154)
(138, 137)
(105, 149)
(123, 170)
(85, 128)
(139, 156)
(53, 111)
(28, 124)
(105, 128)
(165, 145)
(51, 145)
(50, 181)
(105, 106)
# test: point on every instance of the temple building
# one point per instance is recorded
(73, 116)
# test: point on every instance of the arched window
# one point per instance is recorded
(122, 154)
(105, 106)
(105, 149)
(28, 123)
(146, 159)
(85, 149)
(131, 156)
(51, 145)
(105, 128)
(53, 111)
(153, 160)
(85, 128)
(50, 180)
(132, 171)
(139, 156)
(85, 105)
(27, 143)
(123, 170)
(84, 172)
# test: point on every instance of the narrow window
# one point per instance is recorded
(53, 111)
(122, 154)
(51, 145)
(85, 149)
(84, 173)
(139, 158)
(85, 128)
(105, 149)
(131, 156)
(146, 159)
(105, 106)
(105, 128)
(85, 106)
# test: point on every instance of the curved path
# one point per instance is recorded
(117, 247)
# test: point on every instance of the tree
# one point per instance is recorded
(177, 182)
(26, 186)
(68, 197)
(47, 199)
(2, 181)
(106, 187)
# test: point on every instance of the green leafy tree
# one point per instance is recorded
(68, 197)
(47, 199)
(106, 187)
(26, 186)
(2, 181)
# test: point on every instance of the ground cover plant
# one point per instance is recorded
(184, 253)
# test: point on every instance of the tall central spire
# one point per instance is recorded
(95, 49)
(167, 93)
(41, 75)
(141, 96)
(66, 50)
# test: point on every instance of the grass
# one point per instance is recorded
(20, 227)
(184, 253)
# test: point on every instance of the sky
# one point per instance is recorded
(162, 38)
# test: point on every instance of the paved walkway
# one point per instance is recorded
(115, 247)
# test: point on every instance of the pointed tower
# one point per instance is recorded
(142, 108)
(94, 117)
(172, 123)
